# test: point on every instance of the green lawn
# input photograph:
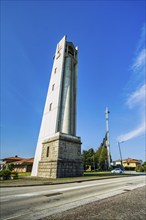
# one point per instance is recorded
(86, 174)
(24, 174)
(26, 179)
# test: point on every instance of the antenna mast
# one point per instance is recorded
(107, 137)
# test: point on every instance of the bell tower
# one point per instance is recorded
(58, 151)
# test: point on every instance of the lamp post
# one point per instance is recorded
(120, 152)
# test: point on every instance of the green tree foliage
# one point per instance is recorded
(97, 160)
(10, 166)
(101, 157)
(139, 169)
(88, 157)
(5, 173)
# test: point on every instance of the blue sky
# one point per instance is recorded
(111, 71)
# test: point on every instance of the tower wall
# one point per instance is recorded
(50, 116)
(61, 157)
(68, 107)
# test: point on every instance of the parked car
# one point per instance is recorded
(117, 170)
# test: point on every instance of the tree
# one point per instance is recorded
(10, 166)
(101, 156)
(88, 157)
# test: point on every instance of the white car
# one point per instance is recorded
(117, 170)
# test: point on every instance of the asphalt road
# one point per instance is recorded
(40, 201)
(130, 205)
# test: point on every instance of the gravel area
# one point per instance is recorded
(130, 205)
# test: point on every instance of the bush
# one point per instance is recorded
(139, 169)
(10, 166)
(5, 173)
(14, 174)
(129, 168)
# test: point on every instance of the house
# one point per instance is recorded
(116, 163)
(20, 164)
(130, 162)
(8, 160)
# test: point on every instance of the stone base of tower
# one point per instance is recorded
(61, 157)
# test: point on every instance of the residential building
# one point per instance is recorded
(20, 164)
(130, 162)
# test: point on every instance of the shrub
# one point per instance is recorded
(10, 166)
(139, 169)
(14, 174)
(129, 168)
(5, 173)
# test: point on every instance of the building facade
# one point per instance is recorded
(129, 162)
(19, 164)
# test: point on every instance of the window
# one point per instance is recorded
(55, 70)
(50, 107)
(70, 51)
(47, 153)
(53, 86)
(58, 56)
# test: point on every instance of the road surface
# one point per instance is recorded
(37, 202)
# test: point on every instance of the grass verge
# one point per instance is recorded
(28, 180)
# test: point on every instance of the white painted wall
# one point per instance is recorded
(49, 120)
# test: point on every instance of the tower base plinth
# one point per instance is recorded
(61, 157)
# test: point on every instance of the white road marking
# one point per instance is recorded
(7, 198)
(11, 197)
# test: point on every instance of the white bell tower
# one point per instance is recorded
(59, 118)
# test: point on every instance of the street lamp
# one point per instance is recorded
(120, 153)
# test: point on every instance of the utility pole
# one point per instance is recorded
(107, 137)
(120, 153)
(94, 162)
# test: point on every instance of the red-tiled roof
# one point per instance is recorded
(17, 160)
(128, 160)
(28, 160)
(13, 158)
